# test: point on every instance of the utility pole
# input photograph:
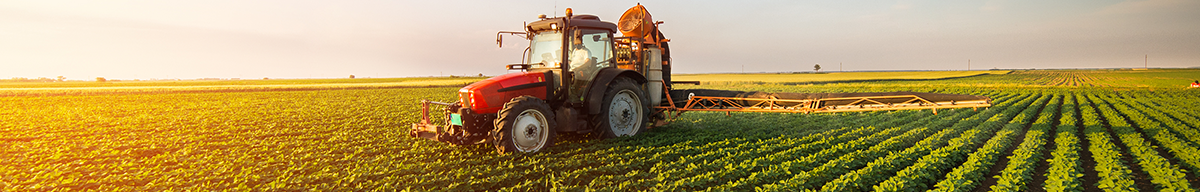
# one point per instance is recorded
(1147, 61)
(840, 67)
(968, 64)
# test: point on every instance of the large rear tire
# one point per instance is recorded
(525, 124)
(625, 111)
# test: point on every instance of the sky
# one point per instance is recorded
(252, 39)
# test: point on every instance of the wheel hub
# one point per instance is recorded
(624, 113)
(529, 130)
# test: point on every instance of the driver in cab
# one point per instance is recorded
(580, 55)
(582, 65)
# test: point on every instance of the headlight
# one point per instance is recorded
(465, 99)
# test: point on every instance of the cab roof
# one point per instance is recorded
(587, 21)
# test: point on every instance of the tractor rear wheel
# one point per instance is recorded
(624, 111)
(525, 124)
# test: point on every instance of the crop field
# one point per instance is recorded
(1048, 130)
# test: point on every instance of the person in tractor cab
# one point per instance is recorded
(1195, 84)
(582, 64)
(580, 55)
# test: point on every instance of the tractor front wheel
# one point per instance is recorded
(525, 124)
(624, 111)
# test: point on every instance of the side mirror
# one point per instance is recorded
(500, 37)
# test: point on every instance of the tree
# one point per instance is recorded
(61, 78)
(351, 76)
(100, 79)
(817, 68)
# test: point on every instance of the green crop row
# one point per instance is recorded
(1019, 171)
(1065, 172)
(1114, 174)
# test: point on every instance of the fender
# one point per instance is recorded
(604, 77)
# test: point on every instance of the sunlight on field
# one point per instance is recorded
(829, 77)
(1058, 130)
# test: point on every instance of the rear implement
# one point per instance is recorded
(722, 100)
(739, 101)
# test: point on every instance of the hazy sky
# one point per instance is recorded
(129, 39)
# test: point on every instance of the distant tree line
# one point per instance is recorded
(39, 79)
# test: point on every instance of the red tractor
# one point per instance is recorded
(579, 76)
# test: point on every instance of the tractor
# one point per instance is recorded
(582, 75)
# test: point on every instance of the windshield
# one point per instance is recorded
(545, 49)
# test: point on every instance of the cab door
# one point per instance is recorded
(589, 50)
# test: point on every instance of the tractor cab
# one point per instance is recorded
(578, 46)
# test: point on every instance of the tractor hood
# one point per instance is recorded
(489, 95)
